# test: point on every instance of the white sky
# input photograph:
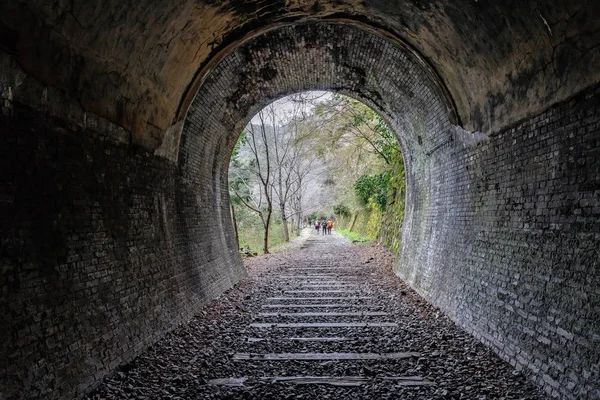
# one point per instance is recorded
(284, 107)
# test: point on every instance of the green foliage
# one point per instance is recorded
(238, 190)
(242, 140)
(373, 187)
(250, 230)
(381, 191)
(386, 142)
(353, 237)
(341, 210)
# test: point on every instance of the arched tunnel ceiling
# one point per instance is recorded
(360, 62)
(134, 62)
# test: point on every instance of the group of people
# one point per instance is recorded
(325, 226)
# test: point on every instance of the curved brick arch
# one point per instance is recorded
(107, 243)
(337, 56)
(460, 235)
(328, 55)
(347, 58)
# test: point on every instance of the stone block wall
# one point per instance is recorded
(509, 244)
(104, 248)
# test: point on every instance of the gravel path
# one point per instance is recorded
(296, 243)
(329, 321)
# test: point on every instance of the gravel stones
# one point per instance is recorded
(231, 351)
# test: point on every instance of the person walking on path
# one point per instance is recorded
(317, 225)
(329, 226)
(324, 226)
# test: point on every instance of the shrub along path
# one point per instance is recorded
(330, 321)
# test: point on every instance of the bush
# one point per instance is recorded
(373, 187)
(341, 210)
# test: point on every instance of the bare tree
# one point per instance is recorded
(260, 168)
(291, 158)
(281, 151)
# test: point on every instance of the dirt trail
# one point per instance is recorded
(328, 321)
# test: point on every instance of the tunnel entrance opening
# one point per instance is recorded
(316, 160)
(346, 58)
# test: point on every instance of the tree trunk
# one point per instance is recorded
(286, 233)
(298, 198)
(235, 228)
(353, 221)
(266, 236)
(266, 241)
(267, 223)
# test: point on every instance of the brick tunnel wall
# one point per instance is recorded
(501, 232)
(510, 244)
(104, 249)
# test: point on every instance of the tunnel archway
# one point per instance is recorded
(456, 228)
(327, 55)
(115, 220)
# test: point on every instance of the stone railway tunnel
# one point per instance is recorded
(118, 120)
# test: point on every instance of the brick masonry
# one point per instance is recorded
(106, 247)
(501, 232)
(510, 244)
